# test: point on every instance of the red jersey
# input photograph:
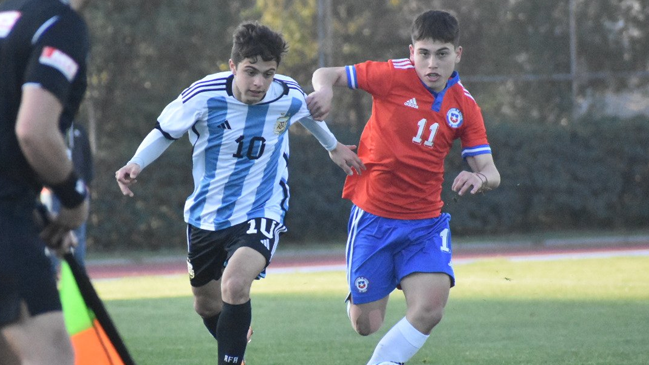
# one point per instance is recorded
(407, 137)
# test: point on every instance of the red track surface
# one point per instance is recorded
(315, 260)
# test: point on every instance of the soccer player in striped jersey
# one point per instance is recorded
(238, 124)
(398, 235)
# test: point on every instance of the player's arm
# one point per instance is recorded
(342, 155)
(43, 146)
(37, 129)
(323, 80)
(484, 175)
(153, 145)
(174, 121)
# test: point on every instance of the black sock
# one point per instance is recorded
(232, 331)
(211, 323)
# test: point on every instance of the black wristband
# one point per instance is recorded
(71, 192)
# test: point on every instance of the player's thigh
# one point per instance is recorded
(426, 289)
(249, 252)
(243, 267)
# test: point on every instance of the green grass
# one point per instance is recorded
(587, 311)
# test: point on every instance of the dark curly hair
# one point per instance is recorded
(252, 40)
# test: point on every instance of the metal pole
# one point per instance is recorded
(92, 125)
(325, 33)
(321, 33)
(573, 57)
(329, 34)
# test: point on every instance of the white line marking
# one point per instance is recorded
(579, 255)
(470, 260)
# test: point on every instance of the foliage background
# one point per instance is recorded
(561, 170)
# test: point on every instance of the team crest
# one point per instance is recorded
(361, 284)
(281, 124)
(190, 269)
(454, 118)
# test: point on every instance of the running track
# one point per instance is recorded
(312, 261)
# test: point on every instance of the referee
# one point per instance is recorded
(43, 49)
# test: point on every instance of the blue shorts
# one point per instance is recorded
(382, 251)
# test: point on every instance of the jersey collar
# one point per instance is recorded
(439, 96)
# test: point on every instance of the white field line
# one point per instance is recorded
(579, 255)
(305, 269)
(463, 261)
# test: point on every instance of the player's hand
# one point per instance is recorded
(319, 103)
(72, 218)
(64, 243)
(56, 227)
(126, 176)
(346, 159)
(467, 181)
(58, 237)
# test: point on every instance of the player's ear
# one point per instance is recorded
(458, 54)
(233, 67)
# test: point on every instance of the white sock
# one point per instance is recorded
(398, 345)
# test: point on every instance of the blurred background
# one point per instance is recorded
(563, 86)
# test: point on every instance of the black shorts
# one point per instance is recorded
(25, 271)
(209, 251)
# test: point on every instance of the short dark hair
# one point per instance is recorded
(252, 40)
(437, 25)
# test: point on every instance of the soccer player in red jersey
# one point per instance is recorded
(398, 235)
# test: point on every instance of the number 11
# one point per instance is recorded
(433, 130)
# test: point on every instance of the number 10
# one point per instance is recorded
(433, 130)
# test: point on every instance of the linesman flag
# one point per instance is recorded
(93, 334)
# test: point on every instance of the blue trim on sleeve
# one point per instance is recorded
(351, 77)
(476, 150)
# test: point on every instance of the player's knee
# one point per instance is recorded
(434, 317)
(235, 290)
(429, 316)
(365, 327)
(206, 307)
(205, 311)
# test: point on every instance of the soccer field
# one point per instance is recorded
(560, 311)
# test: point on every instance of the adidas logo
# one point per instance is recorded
(266, 243)
(224, 125)
(411, 103)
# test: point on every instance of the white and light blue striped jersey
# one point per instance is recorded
(240, 151)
